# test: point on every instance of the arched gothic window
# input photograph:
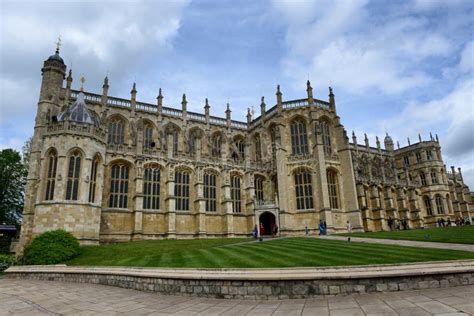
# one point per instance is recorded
(194, 136)
(73, 175)
(299, 138)
(259, 188)
(210, 189)
(434, 177)
(326, 135)
(118, 197)
(333, 189)
(422, 178)
(258, 148)
(439, 204)
(235, 194)
(148, 136)
(216, 145)
(174, 140)
(304, 190)
(151, 188)
(52, 163)
(429, 209)
(181, 190)
(238, 149)
(116, 132)
(93, 179)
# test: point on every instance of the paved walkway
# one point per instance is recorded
(412, 243)
(27, 297)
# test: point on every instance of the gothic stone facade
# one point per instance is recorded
(110, 169)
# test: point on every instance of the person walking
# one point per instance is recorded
(321, 228)
(306, 231)
(349, 230)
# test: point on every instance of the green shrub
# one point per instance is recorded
(6, 261)
(52, 247)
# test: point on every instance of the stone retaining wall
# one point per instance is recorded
(251, 287)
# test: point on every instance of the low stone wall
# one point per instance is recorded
(263, 283)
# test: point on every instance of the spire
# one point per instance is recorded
(408, 138)
(431, 136)
(354, 138)
(159, 102)
(227, 114)
(207, 108)
(309, 90)
(419, 137)
(249, 116)
(262, 106)
(279, 99)
(366, 140)
(82, 83)
(398, 145)
(133, 94)
(377, 141)
(58, 44)
(160, 96)
(437, 139)
(105, 91)
(69, 80)
(184, 103)
(460, 175)
(332, 100)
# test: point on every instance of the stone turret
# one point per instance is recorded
(54, 72)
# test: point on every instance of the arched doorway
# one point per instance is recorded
(267, 221)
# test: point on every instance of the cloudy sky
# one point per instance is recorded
(405, 67)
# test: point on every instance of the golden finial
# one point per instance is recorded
(58, 44)
(82, 82)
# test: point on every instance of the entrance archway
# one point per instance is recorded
(267, 220)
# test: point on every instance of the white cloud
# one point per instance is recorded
(342, 42)
(466, 65)
(97, 37)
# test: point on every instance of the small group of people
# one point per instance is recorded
(396, 224)
(441, 222)
(460, 221)
(273, 230)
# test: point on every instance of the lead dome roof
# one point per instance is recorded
(78, 112)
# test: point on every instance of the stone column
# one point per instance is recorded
(228, 224)
(170, 203)
(200, 203)
(138, 211)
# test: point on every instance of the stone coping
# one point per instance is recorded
(267, 274)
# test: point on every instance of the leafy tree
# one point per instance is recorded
(12, 184)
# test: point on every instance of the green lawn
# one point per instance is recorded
(459, 234)
(239, 253)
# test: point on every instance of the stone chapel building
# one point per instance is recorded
(110, 169)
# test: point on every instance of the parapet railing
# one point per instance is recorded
(172, 112)
(76, 128)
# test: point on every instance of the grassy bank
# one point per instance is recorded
(239, 253)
